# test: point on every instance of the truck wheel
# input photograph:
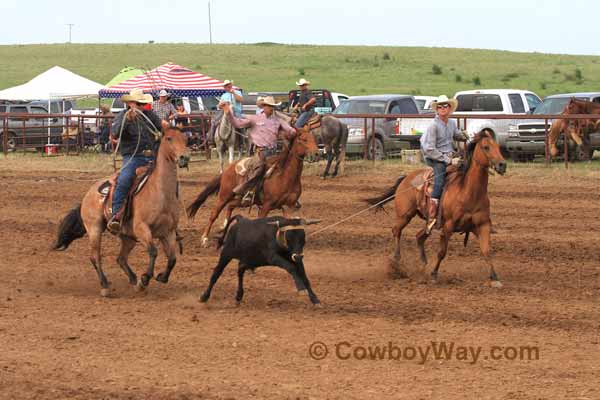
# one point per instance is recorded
(379, 150)
(517, 157)
(11, 144)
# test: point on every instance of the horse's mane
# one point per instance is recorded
(458, 175)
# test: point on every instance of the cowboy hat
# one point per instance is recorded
(138, 96)
(302, 82)
(270, 101)
(260, 101)
(443, 99)
(162, 93)
(227, 82)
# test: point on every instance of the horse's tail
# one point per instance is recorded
(387, 196)
(212, 187)
(71, 228)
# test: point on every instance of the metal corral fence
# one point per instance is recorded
(75, 134)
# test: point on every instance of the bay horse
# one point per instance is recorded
(225, 140)
(465, 205)
(333, 133)
(154, 215)
(576, 130)
(279, 191)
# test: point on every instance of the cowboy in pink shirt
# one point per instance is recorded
(264, 131)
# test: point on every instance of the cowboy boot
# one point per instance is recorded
(114, 224)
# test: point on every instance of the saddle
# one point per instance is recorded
(423, 183)
(313, 122)
(107, 188)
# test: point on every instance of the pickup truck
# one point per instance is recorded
(498, 102)
(28, 132)
(326, 101)
(388, 140)
(526, 138)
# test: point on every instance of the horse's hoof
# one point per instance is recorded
(317, 304)
(146, 279)
(105, 292)
(162, 277)
(205, 242)
(140, 287)
(496, 284)
(302, 292)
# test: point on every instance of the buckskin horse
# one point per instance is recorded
(576, 130)
(465, 206)
(154, 215)
(281, 190)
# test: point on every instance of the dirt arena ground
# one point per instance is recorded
(59, 339)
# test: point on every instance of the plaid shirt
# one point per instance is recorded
(163, 110)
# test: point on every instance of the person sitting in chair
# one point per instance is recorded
(264, 130)
(138, 131)
(436, 145)
(306, 103)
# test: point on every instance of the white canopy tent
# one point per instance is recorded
(56, 83)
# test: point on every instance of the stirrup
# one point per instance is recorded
(114, 226)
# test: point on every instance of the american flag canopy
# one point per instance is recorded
(175, 79)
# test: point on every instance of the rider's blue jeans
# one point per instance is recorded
(439, 171)
(303, 118)
(126, 178)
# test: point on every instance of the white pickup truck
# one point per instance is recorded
(482, 102)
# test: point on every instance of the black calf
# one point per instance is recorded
(273, 241)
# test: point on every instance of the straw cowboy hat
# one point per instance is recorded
(138, 96)
(227, 82)
(443, 99)
(302, 82)
(259, 101)
(269, 101)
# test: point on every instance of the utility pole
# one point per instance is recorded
(70, 27)
(209, 23)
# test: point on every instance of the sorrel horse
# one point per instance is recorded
(576, 130)
(154, 215)
(465, 206)
(333, 133)
(279, 191)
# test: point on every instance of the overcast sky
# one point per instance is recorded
(549, 26)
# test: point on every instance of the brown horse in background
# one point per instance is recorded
(577, 129)
(154, 215)
(465, 205)
(281, 190)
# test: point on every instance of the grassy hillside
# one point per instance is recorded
(350, 69)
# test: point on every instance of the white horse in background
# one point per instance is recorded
(225, 139)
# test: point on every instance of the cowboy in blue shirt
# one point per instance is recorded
(436, 145)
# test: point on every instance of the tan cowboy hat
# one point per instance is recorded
(227, 82)
(138, 96)
(270, 101)
(260, 101)
(302, 82)
(443, 99)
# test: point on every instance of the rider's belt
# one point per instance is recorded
(147, 153)
(267, 151)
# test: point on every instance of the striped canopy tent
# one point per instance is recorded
(175, 79)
